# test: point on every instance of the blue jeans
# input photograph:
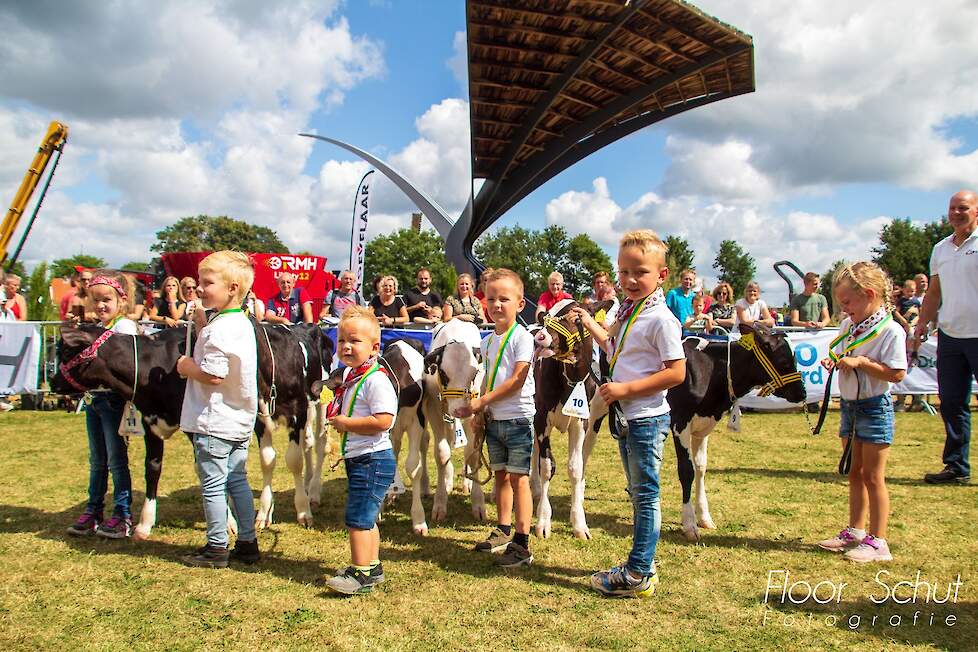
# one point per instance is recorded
(872, 417)
(641, 455)
(510, 445)
(368, 477)
(957, 364)
(222, 469)
(107, 453)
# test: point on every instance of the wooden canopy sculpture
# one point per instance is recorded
(553, 81)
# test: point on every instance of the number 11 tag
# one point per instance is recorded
(460, 439)
(576, 405)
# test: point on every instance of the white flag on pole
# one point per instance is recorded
(358, 234)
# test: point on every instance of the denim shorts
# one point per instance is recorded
(873, 418)
(368, 477)
(510, 444)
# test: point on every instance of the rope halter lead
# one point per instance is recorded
(572, 339)
(777, 380)
(446, 393)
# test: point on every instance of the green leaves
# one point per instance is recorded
(735, 265)
(535, 254)
(209, 233)
(904, 248)
(401, 254)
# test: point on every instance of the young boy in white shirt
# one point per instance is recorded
(363, 409)
(646, 358)
(220, 405)
(507, 399)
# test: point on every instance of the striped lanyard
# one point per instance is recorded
(882, 317)
(651, 300)
(353, 401)
(504, 340)
(115, 320)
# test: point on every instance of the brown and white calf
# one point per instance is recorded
(564, 353)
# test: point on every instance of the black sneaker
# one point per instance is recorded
(208, 557)
(351, 581)
(376, 576)
(496, 541)
(246, 552)
(947, 476)
(515, 555)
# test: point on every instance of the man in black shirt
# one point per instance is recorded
(423, 304)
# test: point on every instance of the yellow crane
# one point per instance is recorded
(53, 142)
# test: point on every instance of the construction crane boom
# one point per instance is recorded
(54, 141)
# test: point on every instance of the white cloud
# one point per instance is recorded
(845, 94)
(458, 63)
(812, 241)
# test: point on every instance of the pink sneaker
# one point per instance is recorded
(845, 540)
(85, 525)
(871, 549)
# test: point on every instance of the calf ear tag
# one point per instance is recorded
(576, 404)
(460, 439)
(132, 424)
(733, 421)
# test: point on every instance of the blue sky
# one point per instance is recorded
(193, 107)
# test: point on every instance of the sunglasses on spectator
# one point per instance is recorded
(189, 287)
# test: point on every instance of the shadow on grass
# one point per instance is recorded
(922, 623)
(829, 477)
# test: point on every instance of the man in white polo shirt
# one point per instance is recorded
(952, 297)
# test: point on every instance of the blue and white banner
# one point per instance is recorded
(20, 348)
(811, 347)
(358, 234)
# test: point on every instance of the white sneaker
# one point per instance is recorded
(845, 540)
(871, 549)
(5, 406)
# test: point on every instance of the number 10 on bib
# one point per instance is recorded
(576, 404)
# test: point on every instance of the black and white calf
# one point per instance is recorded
(92, 358)
(294, 359)
(759, 358)
(564, 351)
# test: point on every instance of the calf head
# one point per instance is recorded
(80, 367)
(455, 370)
(562, 336)
(777, 371)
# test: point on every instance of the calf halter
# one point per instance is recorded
(777, 380)
(572, 339)
(90, 352)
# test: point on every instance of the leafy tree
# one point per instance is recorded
(39, 304)
(135, 266)
(535, 254)
(402, 253)
(680, 257)
(904, 248)
(18, 269)
(735, 265)
(65, 267)
(210, 233)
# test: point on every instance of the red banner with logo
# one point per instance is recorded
(310, 271)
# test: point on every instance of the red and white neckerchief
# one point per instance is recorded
(336, 405)
(868, 323)
(625, 310)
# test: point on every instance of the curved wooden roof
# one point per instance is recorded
(552, 81)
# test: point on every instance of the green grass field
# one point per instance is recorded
(773, 492)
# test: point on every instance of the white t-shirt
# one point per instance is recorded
(888, 348)
(655, 337)
(957, 268)
(125, 326)
(377, 396)
(518, 349)
(225, 348)
(752, 310)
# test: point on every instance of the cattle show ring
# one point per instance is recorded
(749, 473)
